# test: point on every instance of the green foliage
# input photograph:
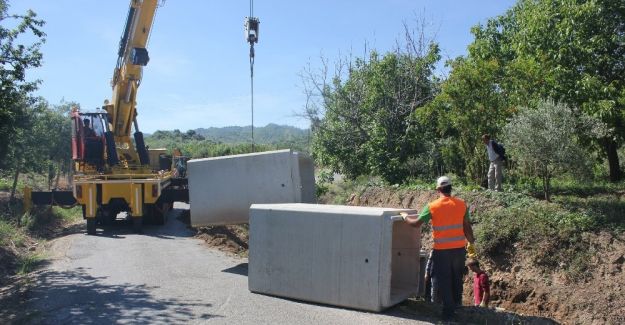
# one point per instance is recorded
(340, 191)
(28, 263)
(549, 232)
(16, 58)
(10, 234)
(323, 182)
(544, 141)
(203, 143)
(42, 145)
(468, 106)
(272, 134)
(570, 51)
(366, 126)
(67, 215)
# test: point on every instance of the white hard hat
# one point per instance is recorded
(443, 181)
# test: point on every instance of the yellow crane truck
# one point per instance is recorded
(114, 171)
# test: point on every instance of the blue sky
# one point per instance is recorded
(198, 75)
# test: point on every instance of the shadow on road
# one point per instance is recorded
(420, 310)
(175, 226)
(240, 269)
(76, 297)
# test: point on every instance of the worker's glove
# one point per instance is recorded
(403, 215)
(471, 251)
(483, 303)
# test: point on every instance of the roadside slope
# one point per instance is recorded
(580, 282)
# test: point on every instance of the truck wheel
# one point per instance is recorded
(107, 216)
(159, 215)
(156, 213)
(137, 224)
(91, 223)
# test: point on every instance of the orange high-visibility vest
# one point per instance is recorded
(447, 222)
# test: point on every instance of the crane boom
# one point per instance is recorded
(132, 57)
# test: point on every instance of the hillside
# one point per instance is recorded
(269, 134)
(211, 142)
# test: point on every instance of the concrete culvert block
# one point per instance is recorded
(357, 257)
(221, 189)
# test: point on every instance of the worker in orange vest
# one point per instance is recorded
(451, 229)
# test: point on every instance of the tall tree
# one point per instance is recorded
(470, 103)
(15, 59)
(43, 146)
(366, 127)
(570, 50)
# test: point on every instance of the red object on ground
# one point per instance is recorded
(481, 284)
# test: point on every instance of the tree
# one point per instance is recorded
(572, 51)
(545, 141)
(471, 103)
(361, 116)
(43, 145)
(15, 59)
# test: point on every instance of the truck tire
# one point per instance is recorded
(137, 224)
(91, 226)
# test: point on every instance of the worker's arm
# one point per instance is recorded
(417, 220)
(468, 230)
(485, 299)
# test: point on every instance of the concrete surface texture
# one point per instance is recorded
(222, 189)
(357, 257)
(165, 276)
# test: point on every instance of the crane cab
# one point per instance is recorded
(89, 141)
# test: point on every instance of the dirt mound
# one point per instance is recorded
(597, 297)
(230, 239)
(518, 285)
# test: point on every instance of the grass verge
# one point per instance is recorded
(23, 235)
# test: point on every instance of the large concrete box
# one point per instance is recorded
(222, 189)
(357, 257)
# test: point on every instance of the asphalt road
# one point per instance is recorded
(165, 276)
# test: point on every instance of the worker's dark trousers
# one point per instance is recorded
(447, 273)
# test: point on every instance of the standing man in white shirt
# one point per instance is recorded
(496, 157)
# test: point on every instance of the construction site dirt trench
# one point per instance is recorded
(516, 284)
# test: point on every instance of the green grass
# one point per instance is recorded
(5, 184)
(550, 232)
(602, 212)
(566, 186)
(29, 262)
(19, 233)
(339, 192)
(68, 215)
(10, 234)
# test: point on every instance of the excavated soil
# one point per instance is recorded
(598, 297)
(230, 239)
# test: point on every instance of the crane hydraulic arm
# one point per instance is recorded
(132, 57)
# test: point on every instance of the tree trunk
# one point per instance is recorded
(547, 186)
(58, 174)
(14, 187)
(611, 147)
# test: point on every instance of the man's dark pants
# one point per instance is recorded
(447, 274)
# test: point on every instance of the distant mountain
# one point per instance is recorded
(269, 134)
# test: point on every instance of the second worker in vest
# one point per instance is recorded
(451, 230)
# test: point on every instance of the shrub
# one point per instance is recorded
(544, 141)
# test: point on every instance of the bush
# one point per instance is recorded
(544, 141)
(548, 232)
